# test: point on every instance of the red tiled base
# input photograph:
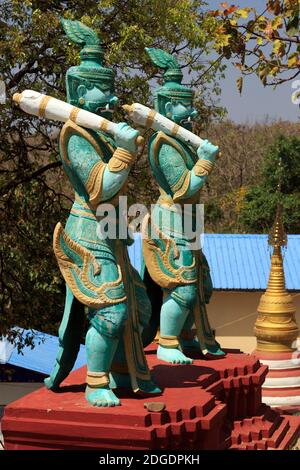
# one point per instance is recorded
(211, 404)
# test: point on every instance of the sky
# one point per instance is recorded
(256, 102)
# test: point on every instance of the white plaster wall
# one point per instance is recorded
(232, 314)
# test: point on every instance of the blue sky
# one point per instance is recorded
(256, 102)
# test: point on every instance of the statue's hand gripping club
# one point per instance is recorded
(207, 151)
(207, 154)
(126, 137)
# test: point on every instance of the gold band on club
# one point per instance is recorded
(43, 105)
(168, 341)
(97, 379)
(150, 118)
(17, 97)
(203, 167)
(175, 129)
(74, 114)
(104, 125)
(120, 160)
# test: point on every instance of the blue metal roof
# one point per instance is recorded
(42, 357)
(240, 262)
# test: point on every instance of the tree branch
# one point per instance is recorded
(258, 35)
(13, 184)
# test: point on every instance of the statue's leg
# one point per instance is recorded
(100, 352)
(188, 339)
(69, 333)
(120, 379)
(102, 339)
(119, 375)
(174, 312)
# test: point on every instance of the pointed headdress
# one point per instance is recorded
(172, 87)
(91, 70)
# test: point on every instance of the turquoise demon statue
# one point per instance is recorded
(182, 273)
(96, 269)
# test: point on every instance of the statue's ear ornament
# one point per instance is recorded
(81, 91)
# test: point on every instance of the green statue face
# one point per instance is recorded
(181, 111)
(97, 99)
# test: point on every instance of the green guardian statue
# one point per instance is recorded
(98, 274)
(180, 272)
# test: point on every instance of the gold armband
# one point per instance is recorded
(97, 379)
(94, 184)
(182, 190)
(168, 341)
(120, 160)
(203, 167)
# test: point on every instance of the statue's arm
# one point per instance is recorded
(183, 182)
(101, 181)
(113, 181)
(118, 167)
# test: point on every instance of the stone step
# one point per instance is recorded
(259, 434)
(278, 434)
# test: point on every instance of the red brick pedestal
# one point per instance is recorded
(211, 404)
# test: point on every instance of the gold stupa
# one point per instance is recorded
(276, 328)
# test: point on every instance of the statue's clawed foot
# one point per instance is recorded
(172, 355)
(103, 396)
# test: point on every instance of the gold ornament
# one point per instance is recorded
(276, 328)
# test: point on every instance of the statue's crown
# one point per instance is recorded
(91, 68)
(172, 87)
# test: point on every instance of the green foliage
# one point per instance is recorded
(264, 42)
(32, 289)
(244, 149)
(282, 165)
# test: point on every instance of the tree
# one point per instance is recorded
(34, 193)
(265, 42)
(243, 148)
(280, 183)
